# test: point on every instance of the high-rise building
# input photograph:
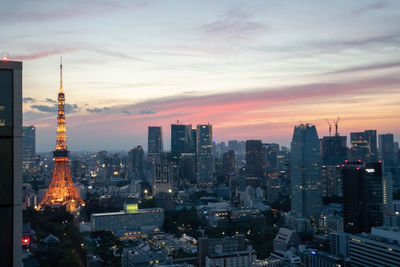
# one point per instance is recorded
(62, 190)
(162, 177)
(194, 134)
(387, 191)
(155, 141)
(271, 156)
(28, 147)
(136, 161)
(255, 159)
(10, 162)
(229, 162)
(386, 151)
(362, 196)
(305, 172)
(331, 180)
(181, 140)
(204, 154)
(363, 146)
(334, 149)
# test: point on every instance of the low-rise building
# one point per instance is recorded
(130, 223)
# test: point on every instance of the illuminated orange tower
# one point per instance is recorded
(61, 191)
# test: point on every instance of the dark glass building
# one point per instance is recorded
(181, 140)
(334, 149)
(271, 157)
(136, 161)
(10, 163)
(362, 196)
(155, 141)
(386, 151)
(229, 163)
(255, 159)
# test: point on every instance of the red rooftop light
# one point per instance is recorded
(4, 56)
(26, 240)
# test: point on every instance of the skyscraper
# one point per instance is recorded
(204, 154)
(305, 172)
(62, 190)
(162, 177)
(28, 147)
(334, 149)
(255, 158)
(229, 162)
(181, 140)
(155, 141)
(363, 146)
(386, 151)
(10, 162)
(362, 196)
(136, 161)
(271, 157)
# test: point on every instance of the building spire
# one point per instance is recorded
(61, 79)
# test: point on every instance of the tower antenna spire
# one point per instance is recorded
(61, 78)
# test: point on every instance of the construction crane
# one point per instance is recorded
(330, 127)
(337, 126)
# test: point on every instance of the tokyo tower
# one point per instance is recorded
(61, 191)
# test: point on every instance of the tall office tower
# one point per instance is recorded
(10, 162)
(28, 147)
(181, 140)
(162, 177)
(271, 157)
(155, 141)
(362, 196)
(255, 159)
(62, 190)
(386, 151)
(229, 162)
(188, 168)
(331, 180)
(305, 172)
(334, 149)
(387, 190)
(204, 154)
(193, 145)
(136, 161)
(76, 168)
(363, 146)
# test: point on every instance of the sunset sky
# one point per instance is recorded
(253, 69)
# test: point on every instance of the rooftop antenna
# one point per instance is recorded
(337, 126)
(61, 79)
(330, 128)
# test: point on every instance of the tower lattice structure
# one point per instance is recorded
(62, 190)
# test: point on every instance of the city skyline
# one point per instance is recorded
(253, 71)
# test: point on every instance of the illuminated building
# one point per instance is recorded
(363, 146)
(129, 223)
(10, 162)
(28, 147)
(61, 191)
(204, 154)
(162, 177)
